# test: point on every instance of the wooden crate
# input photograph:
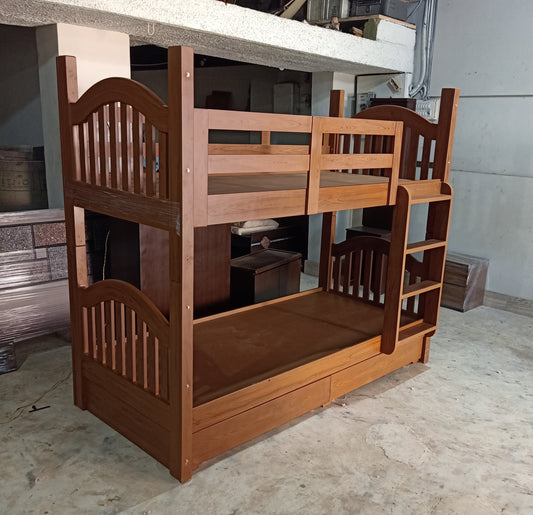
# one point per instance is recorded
(464, 281)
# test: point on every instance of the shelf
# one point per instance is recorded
(353, 19)
(422, 287)
(420, 246)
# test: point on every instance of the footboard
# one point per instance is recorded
(359, 270)
(125, 361)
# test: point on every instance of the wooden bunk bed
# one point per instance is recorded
(185, 389)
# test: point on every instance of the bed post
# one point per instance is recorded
(329, 220)
(67, 90)
(449, 103)
(181, 252)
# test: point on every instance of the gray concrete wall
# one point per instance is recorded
(20, 105)
(489, 58)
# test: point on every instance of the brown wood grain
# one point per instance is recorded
(231, 432)
(125, 91)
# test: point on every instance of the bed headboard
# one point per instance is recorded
(426, 146)
(359, 270)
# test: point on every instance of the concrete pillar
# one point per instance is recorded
(322, 84)
(99, 54)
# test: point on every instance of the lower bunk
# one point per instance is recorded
(254, 369)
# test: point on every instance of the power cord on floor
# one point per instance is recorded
(20, 410)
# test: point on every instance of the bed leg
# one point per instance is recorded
(425, 349)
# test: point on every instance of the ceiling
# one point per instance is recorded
(227, 31)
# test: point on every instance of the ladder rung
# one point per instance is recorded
(424, 199)
(418, 288)
(419, 246)
(414, 330)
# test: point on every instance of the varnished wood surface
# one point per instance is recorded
(231, 432)
(124, 409)
(214, 439)
(241, 349)
(185, 392)
(125, 90)
(281, 182)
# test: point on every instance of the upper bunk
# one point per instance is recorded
(133, 157)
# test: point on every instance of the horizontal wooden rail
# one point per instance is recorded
(133, 207)
(244, 121)
(356, 126)
(216, 149)
(224, 164)
(355, 161)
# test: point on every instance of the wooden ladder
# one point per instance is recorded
(438, 195)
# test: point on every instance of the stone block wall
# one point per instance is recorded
(32, 248)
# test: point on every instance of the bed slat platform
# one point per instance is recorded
(186, 390)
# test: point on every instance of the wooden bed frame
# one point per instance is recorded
(185, 389)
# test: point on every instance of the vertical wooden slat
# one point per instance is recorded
(139, 352)
(137, 154)
(163, 165)
(85, 329)
(396, 161)
(150, 152)
(119, 337)
(99, 314)
(376, 283)
(114, 149)
(91, 331)
(412, 152)
(265, 138)
(201, 141)
(357, 258)
(82, 135)
(329, 222)
(378, 149)
(124, 146)
(157, 350)
(130, 343)
(76, 153)
(347, 273)
(92, 150)
(109, 333)
(150, 363)
(163, 372)
(368, 150)
(337, 273)
(313, 181)
(346, 147)
(367, 274)
(102, 157)
(424, 165)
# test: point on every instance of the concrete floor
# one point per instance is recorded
(451, 437)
